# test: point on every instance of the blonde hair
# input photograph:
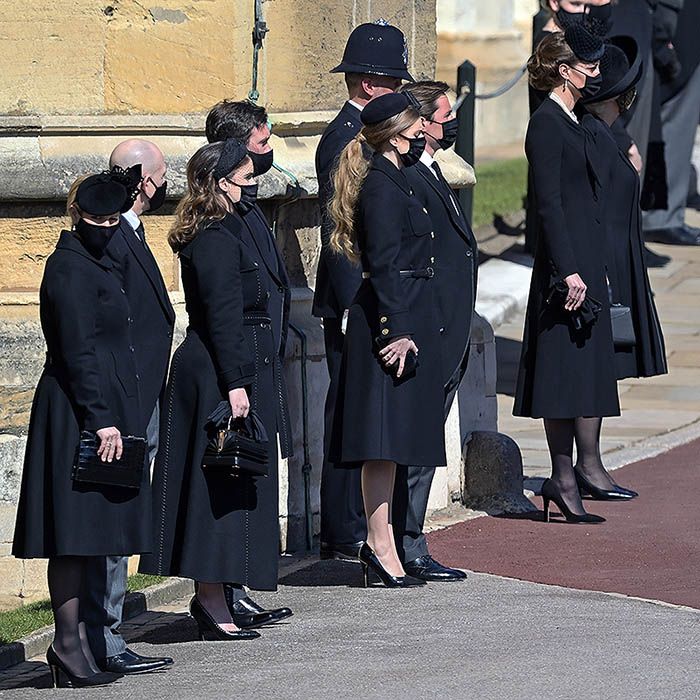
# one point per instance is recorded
(351, 172)
(72, 194)
(203, 202)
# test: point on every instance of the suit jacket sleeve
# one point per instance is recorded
(544, 146)
(75, 309)
(383, 222)
(342, 273)
(216, 262)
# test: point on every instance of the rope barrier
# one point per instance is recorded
(466, 89)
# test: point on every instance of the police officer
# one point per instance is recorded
(455, 264)
(375, 62)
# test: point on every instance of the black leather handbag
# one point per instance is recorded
(237, 445)
(622, 326)
(126, 472)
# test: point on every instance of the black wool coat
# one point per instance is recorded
(378, 417)
(90, 381)
(626, 270)
(152, 318)
(456, 256)
(565, 373)
(214, 527)
(337, 279)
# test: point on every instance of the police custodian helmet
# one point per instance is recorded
(377, 48)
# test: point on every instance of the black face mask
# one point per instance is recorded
(249, 195)
(95, 238)
(568, 19)
(449, 133)
(415, 150)
(600, 18)
(591, 88)
(262, 162)
(158, 198)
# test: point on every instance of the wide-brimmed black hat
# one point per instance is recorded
(621, 69)
(101, 195)
(378, 48)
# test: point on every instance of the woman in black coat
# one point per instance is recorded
(89, 383)
(626, 272)
(566, 371)
(388, 411)
(209, 525)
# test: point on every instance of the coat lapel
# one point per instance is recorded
(68, 241)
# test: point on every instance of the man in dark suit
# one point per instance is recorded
(455, 265)
(152, 322)
(249, 123)
(375, 61)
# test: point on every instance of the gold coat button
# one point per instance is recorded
(385, 331)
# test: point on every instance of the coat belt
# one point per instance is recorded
(252, 319)
(421, 273)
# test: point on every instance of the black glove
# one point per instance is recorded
(666, 63)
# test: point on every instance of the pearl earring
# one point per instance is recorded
(566, 84)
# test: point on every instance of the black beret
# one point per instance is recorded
(101, 195)
(233, 152)
(588, 47)
(385, 106)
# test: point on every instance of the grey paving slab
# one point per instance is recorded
(486, 638)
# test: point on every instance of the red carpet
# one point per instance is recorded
(648, 547)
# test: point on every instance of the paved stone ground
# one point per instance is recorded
(650, 407)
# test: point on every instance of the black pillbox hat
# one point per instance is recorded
(588, 47)
(232, 154)
(101, 195)
(386, 106)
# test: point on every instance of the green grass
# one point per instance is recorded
(500, 188)
(15, 624)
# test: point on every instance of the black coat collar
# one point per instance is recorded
(384, 165)
(349, 110)
(70, 242)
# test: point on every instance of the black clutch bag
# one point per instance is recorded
(585, 315)
(126, 472)
(236, 445)
(622, 326)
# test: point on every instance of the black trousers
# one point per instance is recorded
(342, 511)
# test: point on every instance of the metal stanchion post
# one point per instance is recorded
(466, 91)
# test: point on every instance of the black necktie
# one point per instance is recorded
(141, 232)
(445, 185)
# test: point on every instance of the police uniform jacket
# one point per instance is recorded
(455, 256)
(337, 280)
(378, 417)
(90, 381)
(213, 526)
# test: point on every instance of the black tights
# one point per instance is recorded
(561, 433)
(66, 579)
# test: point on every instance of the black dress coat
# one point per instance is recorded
(627, 273)
(152, 318)
(213, 527)
(378, 417)
(565, 373)
(337, 279)
(456, 256)
(90, 381)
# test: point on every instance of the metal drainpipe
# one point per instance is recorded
(259, 30)
(306, 467)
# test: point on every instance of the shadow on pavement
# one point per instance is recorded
(171, 628)
(326, 573)
(29, 674)
(507, 362)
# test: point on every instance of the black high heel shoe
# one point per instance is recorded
(617, 493)
(369, 560)
(209, 628)
(550, 492)
(61, 677)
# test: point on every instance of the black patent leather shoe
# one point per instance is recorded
(617, 493)
(210, 630)
(652, 259)
(427, 569)
(61, 677)
(247, 614)
(130, 663)
(550, 492)
(370, 562)
(341, 552)
(676, 235)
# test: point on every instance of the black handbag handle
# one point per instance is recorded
(251, 425)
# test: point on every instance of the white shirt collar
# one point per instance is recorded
(428, 161)
(133, 220)
(560, 102)
(355, 105)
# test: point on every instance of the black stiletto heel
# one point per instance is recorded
(550, 492)
(369, 560)
(211, 631)
(617, 493)
(61, 677)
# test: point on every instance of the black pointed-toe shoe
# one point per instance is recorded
(247, 614)
(131, 663)
(370, 563)
(210, 630)
(61, 677)
(616, 493)
(427, 569)
(550, 492)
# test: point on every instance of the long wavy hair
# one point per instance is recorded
(203, 202)
(351, 172)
